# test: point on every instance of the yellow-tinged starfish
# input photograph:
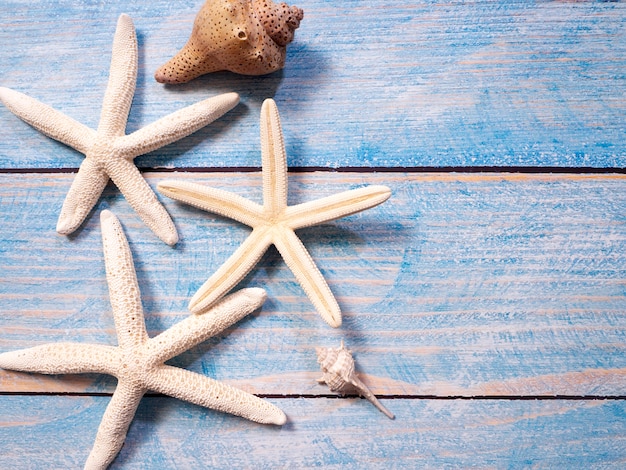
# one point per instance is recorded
(109, 152)
(273, 223)
(138, 361)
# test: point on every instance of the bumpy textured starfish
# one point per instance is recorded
(138, 361)
(109, 152)
(273, 223)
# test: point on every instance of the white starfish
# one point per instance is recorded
(273, 223)
(138, 361)
(109, 152)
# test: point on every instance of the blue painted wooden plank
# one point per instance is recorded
(57, 432)
(375, 83)
(458, 285)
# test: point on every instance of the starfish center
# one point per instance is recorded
(133, 365)
(275, 218)
(274, 227)
(103, 151)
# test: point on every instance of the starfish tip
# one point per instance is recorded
(171, 238)
(124, 18)
(384, 192)
(268, 103)
(331, 315)
(65, 226)
(9, 97)
(195, 306)
(9, 360)
(106, 215)
(335, 322)
(165, 187)
(280, 418)
(232, 97)
(256, 293)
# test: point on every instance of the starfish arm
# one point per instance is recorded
(48, 120)
(122, 281)
(83, 195)
(114, 425)
(335, 206)
(122, 78)
(273, 158)
(197, 328)
(309, 276)
(232, 271)
(177, 125)
(62, 358)
(140, 196)
(204, 391)
(213, 200)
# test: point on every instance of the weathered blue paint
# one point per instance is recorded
(372, 84)
(327, 433)
(458, 285)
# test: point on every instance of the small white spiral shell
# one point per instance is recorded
(337, 365)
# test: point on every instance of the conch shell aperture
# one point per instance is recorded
(248, 37)
(337, 365)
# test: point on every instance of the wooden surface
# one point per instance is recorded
(326, 433)
(367, 83)
(485, 302)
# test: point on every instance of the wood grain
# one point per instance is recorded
(459, 285)
(466, 297)
(327, 433)
(367, 84)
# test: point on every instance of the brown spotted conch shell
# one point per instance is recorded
(338, 367)
(248, 37)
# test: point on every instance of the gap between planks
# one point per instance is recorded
(331, 396)
(525, 170)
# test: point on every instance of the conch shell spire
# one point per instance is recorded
(340, 376)
(248, 37)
